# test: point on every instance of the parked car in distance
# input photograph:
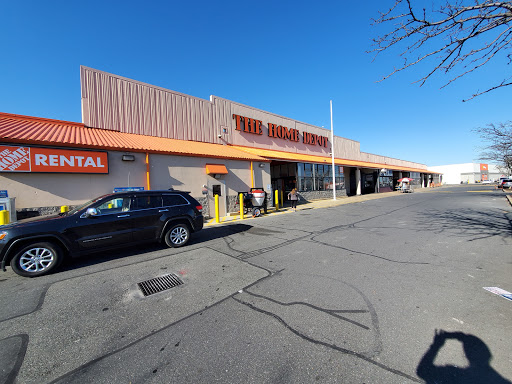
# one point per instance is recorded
(500, 181)
(486, 182)
(37, 246)
(505, 184)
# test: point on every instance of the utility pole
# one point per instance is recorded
(332, 158)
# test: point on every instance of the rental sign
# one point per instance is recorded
(32, 159)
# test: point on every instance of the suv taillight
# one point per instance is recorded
(199, 208)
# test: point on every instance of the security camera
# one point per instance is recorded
(219, 135)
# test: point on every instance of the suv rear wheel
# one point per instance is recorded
(36, 259)
(178, 235)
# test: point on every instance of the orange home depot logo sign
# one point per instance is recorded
(14, 159)
(484, 167)
(246, 124)
(31, 159)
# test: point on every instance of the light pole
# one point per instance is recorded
(332, 158)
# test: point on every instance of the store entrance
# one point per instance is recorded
(352, 182)
(283, 176)
(285, 184)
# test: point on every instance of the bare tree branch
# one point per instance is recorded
(459, 35)
(498, 145)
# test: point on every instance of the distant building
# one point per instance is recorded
(468, 173)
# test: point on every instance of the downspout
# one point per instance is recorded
(252, 176)
(147, 172)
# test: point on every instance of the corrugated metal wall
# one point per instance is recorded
(117, 103)
(389, 160)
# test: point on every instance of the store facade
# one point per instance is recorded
(154, 138)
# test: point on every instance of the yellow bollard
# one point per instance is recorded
(64, 208)
(241, 199)
(217, 219)
(4, 217)
(277, 200)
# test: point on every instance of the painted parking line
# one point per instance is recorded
(492, 190)
(500, 292)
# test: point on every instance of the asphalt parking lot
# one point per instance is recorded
(350, 291)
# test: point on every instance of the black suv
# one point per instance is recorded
(37, 246)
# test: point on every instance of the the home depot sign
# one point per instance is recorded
(31, 159)
(246, 124)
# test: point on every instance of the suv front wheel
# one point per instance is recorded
(36, 259)
(178, 235)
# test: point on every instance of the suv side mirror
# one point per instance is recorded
(90, 212)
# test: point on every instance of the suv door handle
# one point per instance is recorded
(163, 210)
(123, 216)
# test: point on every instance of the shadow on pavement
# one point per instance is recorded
(468, 222)
(477, 353)
(206, 234)
(217, 232)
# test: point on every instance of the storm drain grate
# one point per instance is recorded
(159, 284)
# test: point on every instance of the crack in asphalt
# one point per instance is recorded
(328, 345)
(330, 312)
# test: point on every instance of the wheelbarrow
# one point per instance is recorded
(255, 200)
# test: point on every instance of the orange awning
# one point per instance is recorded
(216, 169)
(29, 130)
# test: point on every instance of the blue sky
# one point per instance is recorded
(287, 57)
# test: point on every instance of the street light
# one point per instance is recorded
(332, 158)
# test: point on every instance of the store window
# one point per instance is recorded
(386, 179)
(323, 176)
(305, 181)
(318, 177)
(416, 178)
(319, 173)
(308, 170)
(340, 177)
